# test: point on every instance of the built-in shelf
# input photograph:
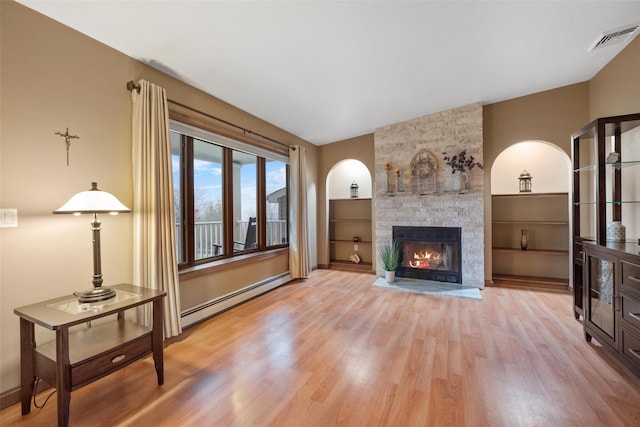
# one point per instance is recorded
(545, 217)
(533, 251)
(533, 222)
(348, 219)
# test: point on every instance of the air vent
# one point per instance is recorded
(615, 36)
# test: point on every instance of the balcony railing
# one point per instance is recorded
(208, 236)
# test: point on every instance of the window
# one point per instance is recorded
(230, 197)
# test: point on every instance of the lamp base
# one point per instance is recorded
(96, 294)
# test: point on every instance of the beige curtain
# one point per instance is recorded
(154, 253)
(299, 264)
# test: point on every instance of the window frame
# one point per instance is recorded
(190, 132)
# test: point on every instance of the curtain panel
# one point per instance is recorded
(299, 261)
(154, 250)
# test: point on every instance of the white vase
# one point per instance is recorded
(390, 276)
(460, 181)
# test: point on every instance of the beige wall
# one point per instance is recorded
(615, 90)
(550, 116)
(359, 148)
(53, 77)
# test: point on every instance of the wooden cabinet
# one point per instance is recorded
(544, 217)
(611, 307)
(350, 220)
(606, 232)
(606, 189)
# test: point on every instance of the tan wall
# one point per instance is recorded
(359, 148)
(615, 90)
(53, 77)
(550, 116)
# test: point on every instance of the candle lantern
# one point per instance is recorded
(354, 190)
(525, 182)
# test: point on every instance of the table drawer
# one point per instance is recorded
(631, 347)
(630, 276)
(105, 363)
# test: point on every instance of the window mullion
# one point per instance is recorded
(262, 204)
(228, 201)
(188, 200)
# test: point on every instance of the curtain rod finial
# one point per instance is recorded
(131, 86)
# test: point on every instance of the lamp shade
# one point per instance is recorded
(92, 201)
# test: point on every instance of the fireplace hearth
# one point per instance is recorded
(429, 253)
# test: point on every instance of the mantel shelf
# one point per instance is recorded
(429, 193)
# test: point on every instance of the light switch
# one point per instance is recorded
(355, 247)
(8, 218)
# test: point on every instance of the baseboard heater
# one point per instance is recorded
(215, 306)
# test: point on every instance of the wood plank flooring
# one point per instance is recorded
(334, 350)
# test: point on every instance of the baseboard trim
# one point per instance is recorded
(11, 397)
(215, 306)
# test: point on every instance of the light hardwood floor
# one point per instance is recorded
(334, 350)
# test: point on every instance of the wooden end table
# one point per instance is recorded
(82, 356)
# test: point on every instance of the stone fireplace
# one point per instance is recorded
(395, 145)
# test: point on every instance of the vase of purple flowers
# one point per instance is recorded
(460, 166)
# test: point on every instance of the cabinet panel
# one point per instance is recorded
(631, 310)
(631, 348)
(630, 277)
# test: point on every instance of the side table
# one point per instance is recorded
(82, 356)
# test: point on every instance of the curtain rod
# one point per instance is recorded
(132, 86)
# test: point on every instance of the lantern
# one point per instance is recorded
(525, 182)
(354, 190)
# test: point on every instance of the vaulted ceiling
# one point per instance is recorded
(331, 70)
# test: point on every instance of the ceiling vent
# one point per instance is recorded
(619, 35)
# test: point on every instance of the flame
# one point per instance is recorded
(425, 259)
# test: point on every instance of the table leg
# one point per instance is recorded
(63, 376)
(27, 377)
(157, 339)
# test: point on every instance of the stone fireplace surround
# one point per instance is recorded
(448, 131)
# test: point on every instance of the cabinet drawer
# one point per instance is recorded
(630, 276)
(631, 347)
(631, 310)
(91, 369)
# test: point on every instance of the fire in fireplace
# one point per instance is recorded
(429, 253)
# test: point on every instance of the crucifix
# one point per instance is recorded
(67, 139)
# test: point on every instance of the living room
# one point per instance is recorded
(54, 77)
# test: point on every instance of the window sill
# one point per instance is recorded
(229, 263)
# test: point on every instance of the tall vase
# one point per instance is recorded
(523, 240)
(459, 181)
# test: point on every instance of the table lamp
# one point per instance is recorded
(94, 201)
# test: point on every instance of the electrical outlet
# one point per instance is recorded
(355, 247)
(8, 218)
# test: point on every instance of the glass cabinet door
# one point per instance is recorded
(601, 295)
(622, 188)
(585, 186)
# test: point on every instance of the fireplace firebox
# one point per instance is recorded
(429, 253)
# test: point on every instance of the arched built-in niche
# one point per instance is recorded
(345, 173)
(542, 215)
(549, 165)
(350, 225)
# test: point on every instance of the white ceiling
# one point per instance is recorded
(330, 70)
